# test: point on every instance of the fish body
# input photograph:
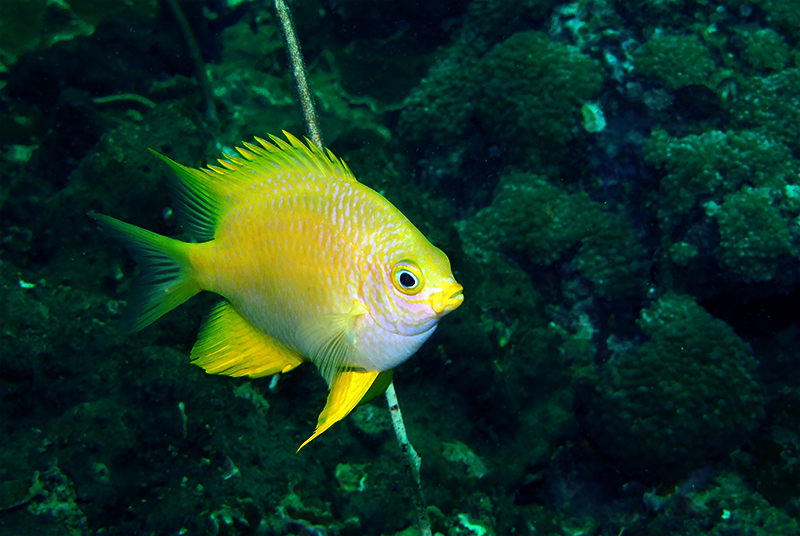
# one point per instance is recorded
(312, 265)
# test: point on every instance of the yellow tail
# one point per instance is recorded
(166, 280)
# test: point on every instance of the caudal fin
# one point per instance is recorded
(166, 280)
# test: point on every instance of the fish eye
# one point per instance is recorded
(407, 277)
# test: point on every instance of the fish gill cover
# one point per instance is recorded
(627, 360)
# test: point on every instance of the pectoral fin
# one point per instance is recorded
(347, 390)
(228, 344)
(329, 340)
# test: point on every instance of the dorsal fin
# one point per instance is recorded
(293, 156)
(196, 197)
(199, 194)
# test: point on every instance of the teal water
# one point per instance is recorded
(617, 185)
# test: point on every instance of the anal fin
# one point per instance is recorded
(228, 344)
(347, 390)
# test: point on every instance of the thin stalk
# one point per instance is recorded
(299, 74)
(413, 462)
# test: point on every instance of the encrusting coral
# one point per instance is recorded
(686, 395)
(532, 91)
(674, 60)
(541, 221)
(706, 166)
(755, 233)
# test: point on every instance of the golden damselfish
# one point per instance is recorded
(312, 265)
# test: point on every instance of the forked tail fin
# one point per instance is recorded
(166, 280)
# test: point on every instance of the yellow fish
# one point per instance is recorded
(312, 265)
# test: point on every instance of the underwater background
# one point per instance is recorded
(616, 184)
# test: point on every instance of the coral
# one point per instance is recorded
(352, 476)
(532, 93)
(531, 216)
(682, 253)
(554, 261)
(754, 233)
(747, 183)
(674, 60)
(727, 506)
(440, 106)
(613, 258)
(478, 521)
(766, 49)
(19, 491)
(707, 166)
(226, 520)
(372, 421)
(770, 104)
(248, 392)
(594, 119)
(687, 394)
(295, 514)
(782, 13)
(651, 16)
(56, 498)
(459, 453)
(465, 526)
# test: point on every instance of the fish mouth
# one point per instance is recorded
(448, 299)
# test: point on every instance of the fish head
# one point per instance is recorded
(419, 289)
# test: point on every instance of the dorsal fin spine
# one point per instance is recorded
(200, 193)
